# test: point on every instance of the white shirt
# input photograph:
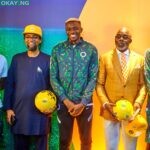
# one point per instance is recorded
(127, 54)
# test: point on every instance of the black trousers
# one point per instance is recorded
(1, 123)
(84, 122)
(24, 142)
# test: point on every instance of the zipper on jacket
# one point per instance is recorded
(72, 69)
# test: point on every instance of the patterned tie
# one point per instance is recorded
(124, 66)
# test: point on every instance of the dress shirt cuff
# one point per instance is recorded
(104, 105)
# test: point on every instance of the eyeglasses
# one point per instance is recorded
(31, 37)
(124, 36)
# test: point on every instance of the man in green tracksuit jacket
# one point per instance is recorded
(74, 65)
(147, 79)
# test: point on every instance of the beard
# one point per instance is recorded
(32, 46)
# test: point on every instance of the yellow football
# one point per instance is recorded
(45, 101)
(123, 109)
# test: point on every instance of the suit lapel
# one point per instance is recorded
(117, 65)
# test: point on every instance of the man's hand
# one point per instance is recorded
(69, 104)
(49, 112)
(134, 115)
(109, 107)
(10, 113)
(136, 106)
(137, 109)
(78, 108)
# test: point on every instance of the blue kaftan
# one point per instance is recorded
(26, 77)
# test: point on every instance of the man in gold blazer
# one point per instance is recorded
(114, 83)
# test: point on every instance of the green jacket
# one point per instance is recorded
(74, 71)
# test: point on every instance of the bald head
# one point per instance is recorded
(124, 30)
(123, 39)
